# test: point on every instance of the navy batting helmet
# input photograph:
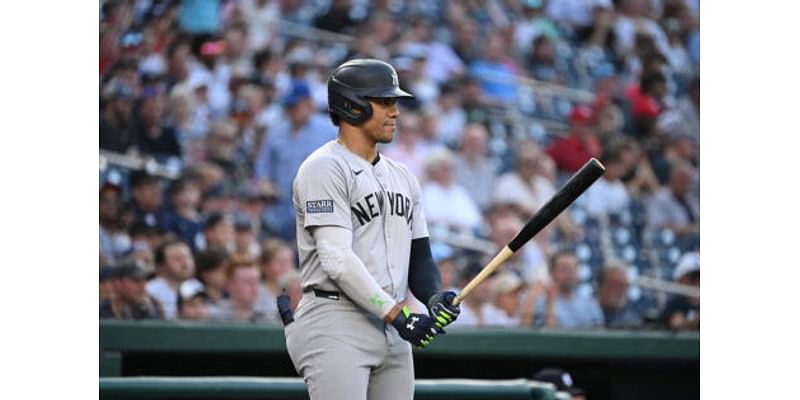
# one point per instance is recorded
(354, 82)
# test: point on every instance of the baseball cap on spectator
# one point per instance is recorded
(191, 289)
(131, 270)
(503, 284)
(688, 263)
(299, 91)
(580, 114)
(560, 378)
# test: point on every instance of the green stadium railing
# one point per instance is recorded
(294, 388)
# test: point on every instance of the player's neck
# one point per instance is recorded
(357, 143)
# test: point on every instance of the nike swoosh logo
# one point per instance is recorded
(358, 172)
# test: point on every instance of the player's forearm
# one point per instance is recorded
(344, 267)
(424, 278)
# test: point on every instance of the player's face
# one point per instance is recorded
(381, 126)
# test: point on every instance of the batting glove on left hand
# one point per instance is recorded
(442, 309)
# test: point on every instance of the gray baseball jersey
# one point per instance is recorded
(379, 203)
(341, 350)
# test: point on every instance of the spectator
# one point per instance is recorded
(174, 265)
(408, 148)
(681, 149)
(648, 103)
(676, 207)
(285, 149)
(184, 218)
(243, 278)
(473, 306)
(147, 198)
(608, 194)
(154, 139)
(451, 115)
(682, 312)
(337, 19)
(129, 299)
(497, 79)
(275, 260)
(571, 152)
(219, 232)
(106, 283)
(612, 295)
(542, 62)
(117, 132)
(529, 262)
(211, 273)
(534, 24)
(684, 119)
(563, 306)
(574, 13)
(192, 301)
(525, 187)
(442, 62)
(113, 240)
(504, 297)
(245, 240)
(474, 170)
(446, 202)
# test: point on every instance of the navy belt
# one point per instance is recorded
(325, 294)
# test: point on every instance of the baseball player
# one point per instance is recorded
(362, 241)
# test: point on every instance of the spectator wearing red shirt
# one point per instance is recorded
(571, 152)
(647, 102)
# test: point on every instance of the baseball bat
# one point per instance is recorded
(576, 185)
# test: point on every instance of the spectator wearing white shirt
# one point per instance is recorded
(503, 310)
(174, 265)
(446, 202)
(473, 307)
(474, 170)
(608, 195)
(676, 207)
(578, 13)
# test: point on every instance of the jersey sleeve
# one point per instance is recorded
(419, 224)
(321, 194)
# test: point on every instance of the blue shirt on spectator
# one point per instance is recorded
(497, 80)
(576, 311)
(279, 159)
(199, 16)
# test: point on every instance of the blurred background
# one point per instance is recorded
(208, 107)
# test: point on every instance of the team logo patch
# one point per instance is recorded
(319, 206)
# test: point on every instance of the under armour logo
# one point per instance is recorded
(413, 321)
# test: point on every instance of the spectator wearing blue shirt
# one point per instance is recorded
(496, 78)
(183, 218)
(284, 149)
(563, 306)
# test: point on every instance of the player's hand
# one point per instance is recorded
(418, 329)
(442, 309)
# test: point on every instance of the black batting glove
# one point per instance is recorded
(418, 329)
(442, 309)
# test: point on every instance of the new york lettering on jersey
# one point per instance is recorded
(371, 206)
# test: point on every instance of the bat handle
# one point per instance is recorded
(495, 263)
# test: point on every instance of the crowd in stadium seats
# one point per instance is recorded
(208, 107)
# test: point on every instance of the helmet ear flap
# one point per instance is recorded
(351, 109)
